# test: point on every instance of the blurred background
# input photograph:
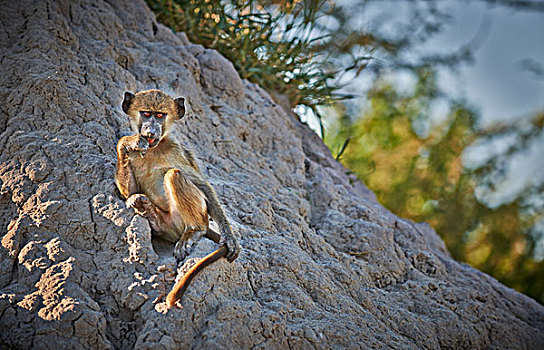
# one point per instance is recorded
(437, 106)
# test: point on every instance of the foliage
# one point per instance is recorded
(276, 44)
(420, 175)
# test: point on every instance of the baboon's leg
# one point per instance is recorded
(188, 211)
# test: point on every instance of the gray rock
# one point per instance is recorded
(79, 270)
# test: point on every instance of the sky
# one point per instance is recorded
(496, 83)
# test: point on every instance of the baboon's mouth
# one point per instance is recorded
(152, 142)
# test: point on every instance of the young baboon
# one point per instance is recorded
(160, 180)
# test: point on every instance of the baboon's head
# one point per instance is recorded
(152, 112)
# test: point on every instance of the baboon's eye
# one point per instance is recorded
(160, 115)
(147, 114)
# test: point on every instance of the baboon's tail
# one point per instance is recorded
(179, 288)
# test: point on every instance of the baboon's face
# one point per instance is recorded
(152, 126)
(152, 112)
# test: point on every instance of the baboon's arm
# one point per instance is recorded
(124, 177)
(217, 214)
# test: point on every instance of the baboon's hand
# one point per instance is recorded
(134, 143)
(233, 247)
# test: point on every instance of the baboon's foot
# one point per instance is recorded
(140, 203)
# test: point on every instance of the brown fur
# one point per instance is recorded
(161, 180)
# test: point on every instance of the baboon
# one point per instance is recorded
(160, 180)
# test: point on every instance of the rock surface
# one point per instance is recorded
(79, 270)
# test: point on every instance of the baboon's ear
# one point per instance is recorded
(127, 101)
(180, 107)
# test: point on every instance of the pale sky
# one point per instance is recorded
(495, 83)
